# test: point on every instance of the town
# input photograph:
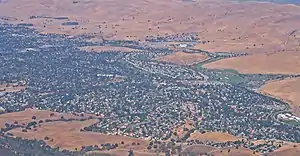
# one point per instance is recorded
(132, 93)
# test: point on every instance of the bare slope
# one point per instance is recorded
(67, 135)
(288, 89)
(273, 63)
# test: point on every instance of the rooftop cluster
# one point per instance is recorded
(133, 94)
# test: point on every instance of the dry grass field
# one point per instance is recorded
(288, 89)
(24, 117)
(184, 58)
(271, 63)
(234, 152)
(289, 149)
(200, 149)
(11, 88)
(124, 152)
(213, 136)
(67, 135)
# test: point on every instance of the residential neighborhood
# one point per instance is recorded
(134, 95)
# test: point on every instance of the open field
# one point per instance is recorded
(63, 134)
(287, 90)
(183, 58)
(290, 149)
(273, 63)
(123, 152)
(67, 135)
(24, 117)
(199, 149)
(213, 136)
(202, 149)
(11, 88)
(108, 48)
(234, 152)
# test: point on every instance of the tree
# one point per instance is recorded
(32, 123)
(173, 151)
(167, 153)
(7, 125)
(179, 149)
(130, 153)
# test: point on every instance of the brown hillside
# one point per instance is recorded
(288, 89)
(262, 27)
(67, 135)
(213, 136)
(273, 63)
